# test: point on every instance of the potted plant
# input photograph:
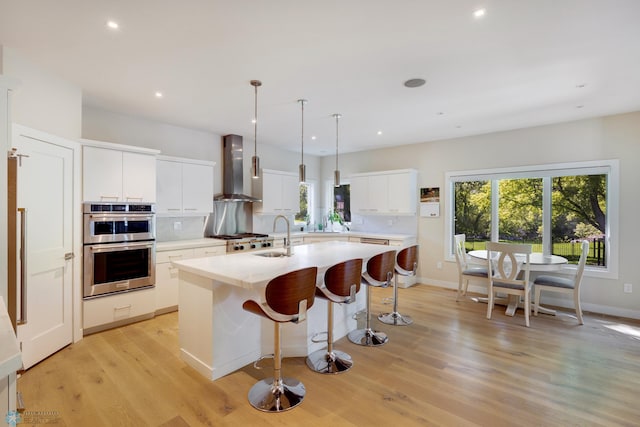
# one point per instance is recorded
(336, 220)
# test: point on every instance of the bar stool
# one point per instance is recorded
(341, 283)
(288, 297)
(379, 273)
(406, 265)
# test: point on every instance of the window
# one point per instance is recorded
(342, 201)
(305, 216)
(552, 207)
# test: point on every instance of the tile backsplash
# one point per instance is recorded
(179, 228)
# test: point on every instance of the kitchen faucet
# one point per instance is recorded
(287, 243)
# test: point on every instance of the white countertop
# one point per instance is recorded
(204, 242)
(10, 357)
(248, 270)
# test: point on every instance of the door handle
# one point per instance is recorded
(69, 255)
(23, 267)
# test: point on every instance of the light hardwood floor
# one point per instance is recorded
(452, 367)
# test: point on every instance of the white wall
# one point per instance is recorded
(42, 101)
(613, 137)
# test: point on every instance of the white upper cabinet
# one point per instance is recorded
(385, 193)
(113, 175)
(279, 191)
(185, 186)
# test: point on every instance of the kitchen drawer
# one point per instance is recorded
(209, 251)
(175, 255)
(113, 310)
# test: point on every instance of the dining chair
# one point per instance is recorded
(563, 284)
(466, 271)
(508, 267)
(288, 297)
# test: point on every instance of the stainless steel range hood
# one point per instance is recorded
(233, 172)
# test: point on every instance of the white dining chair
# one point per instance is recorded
(563, 284)
(466, 271)
(508, 267)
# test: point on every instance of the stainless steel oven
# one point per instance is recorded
(119, 248)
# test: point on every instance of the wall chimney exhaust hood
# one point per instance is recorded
(233, 172)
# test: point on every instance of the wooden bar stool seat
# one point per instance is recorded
(288, 297)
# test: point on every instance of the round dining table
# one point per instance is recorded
(537, 263)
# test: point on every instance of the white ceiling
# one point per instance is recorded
(522, 64)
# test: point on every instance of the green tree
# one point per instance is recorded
(581, 198)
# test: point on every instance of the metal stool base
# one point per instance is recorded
(325, 362)
(368, 337)
(395, 319)
(267, 396)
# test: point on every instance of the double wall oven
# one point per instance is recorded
(119, 247)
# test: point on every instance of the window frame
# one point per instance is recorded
(311, 188)
(546, 172)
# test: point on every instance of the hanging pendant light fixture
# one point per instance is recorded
(336, 173)
(302, 168)
(255, 160)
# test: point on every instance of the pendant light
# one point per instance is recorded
(336, 173)
(302, 168)
(255, 160)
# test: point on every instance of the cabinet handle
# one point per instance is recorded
(108, 197)
(122, 307)
(23, 267)
(175, 256)
(133, 198)
(174, 209)
(190, 209)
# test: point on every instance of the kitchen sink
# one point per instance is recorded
(271, 254)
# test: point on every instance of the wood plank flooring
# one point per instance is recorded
(452, 367)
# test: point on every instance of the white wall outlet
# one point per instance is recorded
(628, 288)
(439, 265)
(177, 226)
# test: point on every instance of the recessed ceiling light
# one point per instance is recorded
(313, 137)
(479, 13)
(458, 127)
(414, 82)
(581, 85)
(159, 95)
(113, 25)
(579, 106)
(253, 121)
(379, 132)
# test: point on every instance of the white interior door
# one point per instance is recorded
(45, 187)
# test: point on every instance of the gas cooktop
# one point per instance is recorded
(240, 236)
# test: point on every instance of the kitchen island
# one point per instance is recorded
(218, 337)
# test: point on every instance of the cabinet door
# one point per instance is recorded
(169, 186)
(197, 188)
(360, 194)
(138, 177)
(402, 193)
(101, 175)
(271, 192)
(378, 193)
(290, 194)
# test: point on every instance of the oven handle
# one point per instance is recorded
(113, 247)
(120, 217)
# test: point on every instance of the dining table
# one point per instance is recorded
(538, 263)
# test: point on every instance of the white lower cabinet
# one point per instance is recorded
(113, 310)
(167, 281)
